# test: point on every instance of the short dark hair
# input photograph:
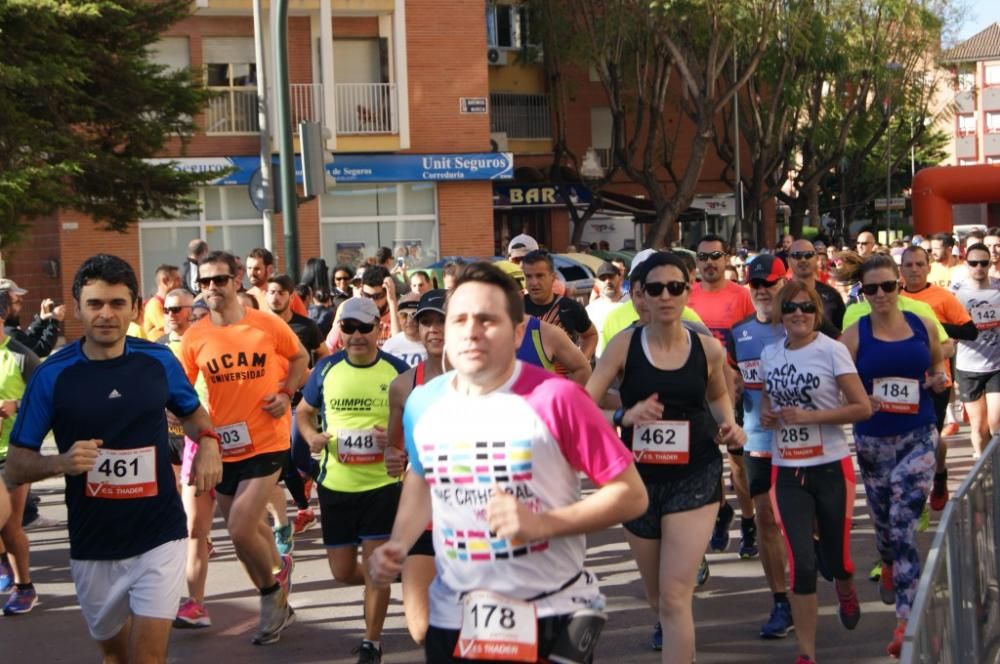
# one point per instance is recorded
(284, 281)
(539, 256)
(979, 246)
(914, 248)
(197, 247)
(976, 233)
(166, 269)
(218, 256)
(422, 274)
(262, 254)
(109, 269)
(878, 262)
(947, 238)
(659, 259)
(993, 231)
(342, 268)
(712, 237)
(489, 274)
(452, 268)
(689, 263)
(382, 254)
(374, 276)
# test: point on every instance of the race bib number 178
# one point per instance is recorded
(495, 627)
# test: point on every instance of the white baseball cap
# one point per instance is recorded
(526, 242)
(640, 258)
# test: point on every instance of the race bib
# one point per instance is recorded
(750, 370)
(985, 315)
(235, 439)
(356, 446)
(898, 395)
(800, 441)
(495, 627)
(662, 442)
(123, 474)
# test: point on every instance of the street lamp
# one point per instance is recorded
(892, 68)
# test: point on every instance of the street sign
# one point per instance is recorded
(894, 204)
(472, 105)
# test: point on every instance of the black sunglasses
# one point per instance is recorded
(802, 255)
(714, 255)
(804, 307)
(762, 283)
(352, 326)
(978, 263)
(373, 296)
(886, 286)
(174, 310)
(655, 288)
(219, 280)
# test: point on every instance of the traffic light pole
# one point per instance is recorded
(289, 196)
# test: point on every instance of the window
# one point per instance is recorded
(227, 221)
(992, 74)
(230, 71)
(357, 219)
(967, 162)
(966, 80)
(993, 122)
(600, 134)
(172, 52)
(966, 123)
(507, 26)
(993, 160)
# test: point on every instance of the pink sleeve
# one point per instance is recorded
(585, 438)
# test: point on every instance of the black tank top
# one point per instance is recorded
(682, 392)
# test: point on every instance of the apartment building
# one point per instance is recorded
(402, 88)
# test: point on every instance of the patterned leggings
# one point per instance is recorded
(897, 472)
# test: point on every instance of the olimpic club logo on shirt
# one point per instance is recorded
(357, 404)
(236, 366)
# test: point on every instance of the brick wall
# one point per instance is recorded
(25, 263)
(465, 212)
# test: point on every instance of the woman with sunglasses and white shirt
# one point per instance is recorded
(811, 388)
(899, 359)
(675, 412)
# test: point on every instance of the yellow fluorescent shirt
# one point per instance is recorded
(857, 310)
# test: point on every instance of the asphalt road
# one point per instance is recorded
(728, 609)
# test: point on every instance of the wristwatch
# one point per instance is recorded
(617, 418)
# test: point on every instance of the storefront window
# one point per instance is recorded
(355, 220)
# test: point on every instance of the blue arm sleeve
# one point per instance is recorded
(34, 418)
(183, 399)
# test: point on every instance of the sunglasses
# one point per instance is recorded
(757, 284)
(886, 286)
(802, 255)
(804, 307)
(978, 263)
(218, 280)
(864, 244)
(351, 326)
(373, 296)
(174, 310)
(655, 288)
(714, 255)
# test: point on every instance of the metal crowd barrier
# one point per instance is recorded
(956, 614)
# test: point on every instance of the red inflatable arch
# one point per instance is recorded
(936, 189)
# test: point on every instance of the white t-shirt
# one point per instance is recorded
(806, 377)
(983, 354)
(598, 311)
(411, 352)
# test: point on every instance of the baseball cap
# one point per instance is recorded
(432, 300)
(361, 309)
(606, 268)
(766, 267)
(409, 301)
(528, 244)
(639, 259)
(9, 285)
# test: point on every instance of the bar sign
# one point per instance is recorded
(472, 105)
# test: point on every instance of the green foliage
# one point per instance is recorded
(81, 108)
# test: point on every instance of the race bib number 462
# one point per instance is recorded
(495, 627)
(355, 446)
(662, 442)
(123, 474)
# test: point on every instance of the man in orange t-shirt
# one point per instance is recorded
(260, 268)
(241, 353)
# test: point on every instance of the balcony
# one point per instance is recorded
(520, 116)
(366, 108)
(232, 111)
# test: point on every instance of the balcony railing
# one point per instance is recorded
(366, 108)
(233, 111)
(520, 116)
(307, 103)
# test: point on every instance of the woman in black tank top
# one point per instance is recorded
(675, 412)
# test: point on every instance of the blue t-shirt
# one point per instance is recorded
(749, 338)
(128, 504)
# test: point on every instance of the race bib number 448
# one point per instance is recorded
(123, 474)
(355, 446)
(495, 627)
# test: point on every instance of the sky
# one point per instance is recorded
(981, 14)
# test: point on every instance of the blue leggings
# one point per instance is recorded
(898, 472)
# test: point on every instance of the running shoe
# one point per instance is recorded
(368, 653)
(192, 615)
(6, 576)
(20, 601)
(283, 539)
(304, 520)
(284, 575)
(896, 645)
(876, 572)
(656, 642)
(720, 534)
(939, 495)
(849, 609)
(275, 616)
(703, 573)
(41, 521)
(780, 623)
(950, 429)
(748, 539)
(886, 588)
(821, 566)
(924, 522)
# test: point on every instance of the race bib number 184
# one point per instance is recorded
(495, 627)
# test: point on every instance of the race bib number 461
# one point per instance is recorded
(123, 474)
(662, 442)
(355, 446)
(495, 627)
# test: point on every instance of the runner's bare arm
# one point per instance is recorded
(305, 417)
(588, 342)
(564, 352)
(25, 465)
(718, 396)
(412, 517)
(608, 367)
(621, 499)
(395, 455)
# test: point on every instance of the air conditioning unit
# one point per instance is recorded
(499, 139)
(496, 57)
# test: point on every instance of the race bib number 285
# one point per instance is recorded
(495, 627)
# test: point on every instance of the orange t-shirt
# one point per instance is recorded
(261, 296)
(242, 364)
(722, 309)
(946, 307)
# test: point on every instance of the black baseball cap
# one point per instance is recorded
(432, 300)
(606, 268)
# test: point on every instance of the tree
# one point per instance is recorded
(82, 106)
